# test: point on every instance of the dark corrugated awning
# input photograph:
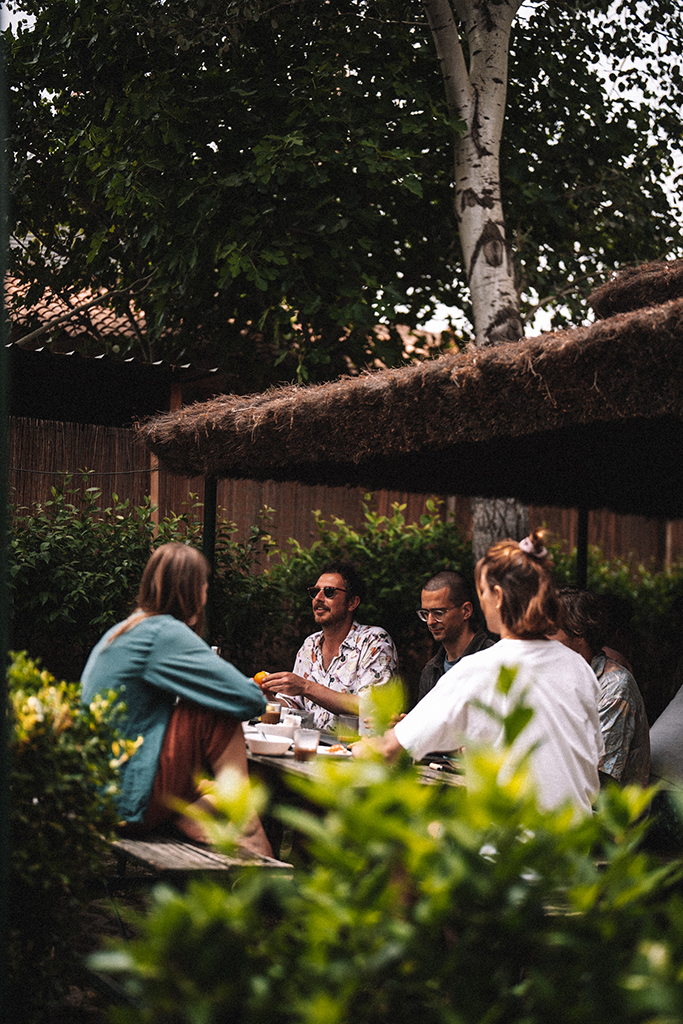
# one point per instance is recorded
(101, 390)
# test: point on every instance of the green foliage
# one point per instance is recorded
(592, 130)
(63, 777)
(76, 564)
(427, 903)
(260, 182)
(272, 181)
(381, 706)
(74, 570)
(242, 617)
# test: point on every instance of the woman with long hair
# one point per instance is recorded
(520, 604)
(179, 695)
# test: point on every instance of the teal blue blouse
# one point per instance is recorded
(151, 664)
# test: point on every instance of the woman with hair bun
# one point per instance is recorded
(520, 604)
(179, 695)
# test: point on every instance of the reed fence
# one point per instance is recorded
(41, 451)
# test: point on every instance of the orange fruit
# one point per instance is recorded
(260, 676)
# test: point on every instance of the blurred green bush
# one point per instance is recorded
(64, 761)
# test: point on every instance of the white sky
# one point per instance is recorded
(5, 17)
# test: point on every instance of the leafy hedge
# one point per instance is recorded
(74, 569)
(64, 762)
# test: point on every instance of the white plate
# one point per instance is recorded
(326, 752)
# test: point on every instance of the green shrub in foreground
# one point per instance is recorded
(63, 778)
(422, 903)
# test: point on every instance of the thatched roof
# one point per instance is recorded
(591, 416)
(636, 287)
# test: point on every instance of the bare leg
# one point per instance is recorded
(234, 756)
(198, 739)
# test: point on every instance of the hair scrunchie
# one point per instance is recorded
(529, 548)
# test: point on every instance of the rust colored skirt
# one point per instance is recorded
(195, 741)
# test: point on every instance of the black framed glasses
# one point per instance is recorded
(329, 592)
(436, 613)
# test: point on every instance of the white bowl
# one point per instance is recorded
(280, 730)
(267, 744)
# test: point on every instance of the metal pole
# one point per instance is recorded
(5, 838)
(209, 544)
(582, 550)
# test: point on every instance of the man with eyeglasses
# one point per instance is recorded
(447, 608)
(343, 658)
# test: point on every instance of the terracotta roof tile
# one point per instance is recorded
(95, 321)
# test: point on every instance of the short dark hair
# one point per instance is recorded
(583, 616)
(353, 581)
(459, 590)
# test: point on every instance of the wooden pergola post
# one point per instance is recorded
(582, 550)
(175, 402)
(209, 545)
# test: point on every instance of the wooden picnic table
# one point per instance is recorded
(282, 765)
(276, 771)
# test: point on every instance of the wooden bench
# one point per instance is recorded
(165, 857)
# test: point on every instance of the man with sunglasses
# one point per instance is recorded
(448, 608)
(335, 664)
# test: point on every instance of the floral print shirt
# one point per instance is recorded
(367, 656)
(623, 721)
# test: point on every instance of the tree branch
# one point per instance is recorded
(456, 78)
(22, 342)
(569, 289)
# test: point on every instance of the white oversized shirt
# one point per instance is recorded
(367, 656)
(563, 691)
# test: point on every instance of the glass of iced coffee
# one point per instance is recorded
(305, 744)
(271, 716)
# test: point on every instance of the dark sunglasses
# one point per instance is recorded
(327, 591)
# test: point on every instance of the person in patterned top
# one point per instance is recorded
(335, 664)
(623, 718)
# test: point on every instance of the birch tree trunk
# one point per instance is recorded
(477, 94)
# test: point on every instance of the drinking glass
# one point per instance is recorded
(271, 716)
(347, 728)
(306, 744)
